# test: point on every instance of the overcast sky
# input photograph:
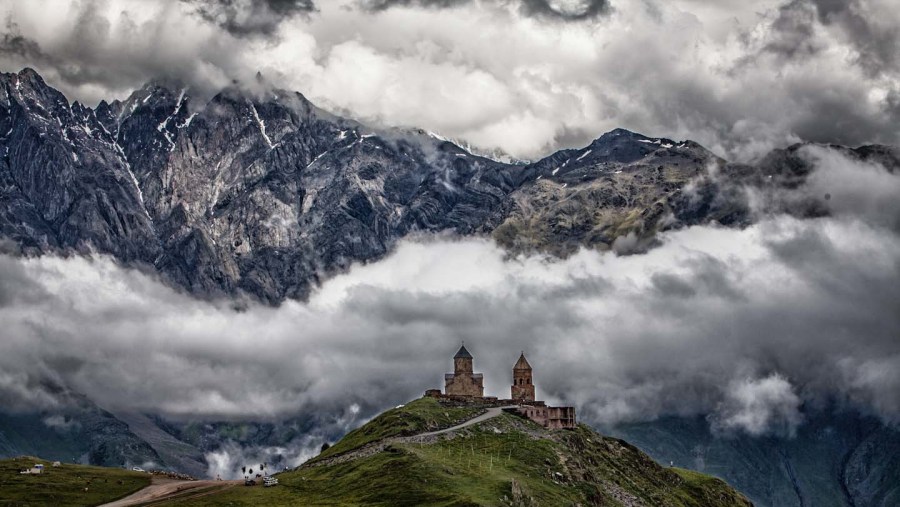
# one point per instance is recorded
(527, 76)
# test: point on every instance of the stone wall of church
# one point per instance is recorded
(522, 389)
(464, 385)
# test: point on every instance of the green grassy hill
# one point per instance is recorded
(422, 415)
(503, 461)
(66, 485)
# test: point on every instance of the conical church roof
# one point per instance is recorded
(522, 363)
(463, 353)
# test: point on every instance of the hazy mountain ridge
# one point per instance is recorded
(76, 431)
(835, 459)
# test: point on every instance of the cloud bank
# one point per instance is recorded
(750, 327)
(527, 76)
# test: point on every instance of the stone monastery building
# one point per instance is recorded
(463, 381)
(466, 385)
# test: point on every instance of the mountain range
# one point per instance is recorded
(262, 194)
(257, 193)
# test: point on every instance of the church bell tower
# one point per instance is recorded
(523, 384)
(462, 362)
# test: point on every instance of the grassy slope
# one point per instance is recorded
(424, 414)
(484, 465)
(64, 486)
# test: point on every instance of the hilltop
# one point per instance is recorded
(403, 457)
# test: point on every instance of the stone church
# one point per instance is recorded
(466, 385)
(523, 387)
(463, 381)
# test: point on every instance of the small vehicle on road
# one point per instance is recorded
(137, 469)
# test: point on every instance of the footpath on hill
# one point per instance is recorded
(420, 438)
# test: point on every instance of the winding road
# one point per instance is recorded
(164, 488)
(490, 414)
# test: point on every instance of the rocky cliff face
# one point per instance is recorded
(260, 194)
(65, 184)
(263, 194)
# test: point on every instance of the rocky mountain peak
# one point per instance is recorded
(624, 146)
(66, 182)
(28, 90)
(26, 77)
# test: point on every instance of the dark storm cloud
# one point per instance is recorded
(576, 11)
(98, 52)
(671, 285)
(77, 66)
(796, 35)
(250, 17)
(878, 44)
(14, 44)
(379, 5)
(88, 30)
(793, 31)
(580, 11)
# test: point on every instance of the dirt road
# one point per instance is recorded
(490, 414)
(164, 488)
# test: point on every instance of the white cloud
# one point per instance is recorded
(678, 330)
(61, 423)
(759, 407)
(227, 460)
(868, 191)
